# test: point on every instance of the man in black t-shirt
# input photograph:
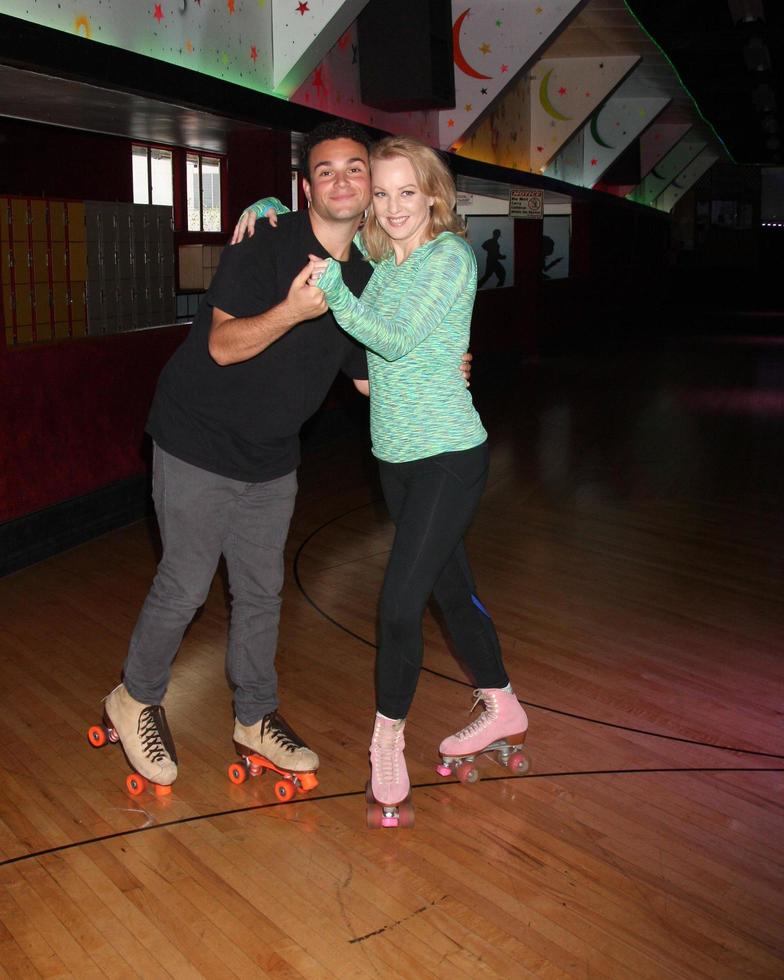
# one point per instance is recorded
(257, 362)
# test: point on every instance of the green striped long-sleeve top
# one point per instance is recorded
(415, 320)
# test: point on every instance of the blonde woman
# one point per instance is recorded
(414, 318)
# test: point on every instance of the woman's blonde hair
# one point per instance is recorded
(433, 179)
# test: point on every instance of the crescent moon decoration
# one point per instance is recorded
(459, 57)
(544, 98)
(595, 132)
(676, 184)
(83, 22)
(657, 176)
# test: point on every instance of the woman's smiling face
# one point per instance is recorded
(399, 204)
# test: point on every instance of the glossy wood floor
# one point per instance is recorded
(630, 549)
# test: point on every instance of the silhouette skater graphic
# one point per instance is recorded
(493, 266)
(548, 245)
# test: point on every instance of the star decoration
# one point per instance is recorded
(344, 41)
(230, 5)
(468, 107)
(540, 149)
(224, 58)
(189, 46)
(158, 13)
(498, 23)
(594, 162)
(484, 91)
(562, 91)
(450, 122)
(253, 53)
(504, 68)
(587, 95)
(538, 10)
(302, 8)
(485, 48)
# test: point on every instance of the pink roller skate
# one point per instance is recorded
(388, 794)
(500, 729)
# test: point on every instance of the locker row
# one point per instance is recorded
(106, 221)
(38, 220)
(129, 260)
(23, 262)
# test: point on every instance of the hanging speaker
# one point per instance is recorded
(405, 55)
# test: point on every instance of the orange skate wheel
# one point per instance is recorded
(135, 784)
(97, 735)
(237, 773)
(285, 790)
(518, 763)
(467, 772)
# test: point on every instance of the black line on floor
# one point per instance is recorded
(528, 704)
(442, 783)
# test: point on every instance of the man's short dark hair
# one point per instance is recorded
(332, 129)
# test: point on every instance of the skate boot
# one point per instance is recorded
(388, 794)
(271, 744)
(145, 737)
(499, 729)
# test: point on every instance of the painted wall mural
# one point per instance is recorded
(666, 170)
(686, 179)
(656, 143)
(564, 93)
(267, 45)
(492, 43)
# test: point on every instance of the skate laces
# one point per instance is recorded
(388, 753)
(154, 735)
(274, 727)
(489, 714)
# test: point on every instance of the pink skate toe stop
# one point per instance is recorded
(443, 770)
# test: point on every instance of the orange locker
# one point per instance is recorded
(78, 328)
(57, 216)
(6, 260)
(40, 262)
(17, 258)
(22, 301)
(19, 219)
(77, 254)
(60, 301)
(62, 329)
(58, 258)
(76, 228)
(38, 220)
(9, 337)
(5, 213)
(43, 304)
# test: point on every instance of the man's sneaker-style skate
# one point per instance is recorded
(145, 737)
(271, 744)
(500, 729)
(388, 794)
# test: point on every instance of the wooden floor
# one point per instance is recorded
(630, 547)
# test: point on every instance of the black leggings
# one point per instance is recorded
(432, 501)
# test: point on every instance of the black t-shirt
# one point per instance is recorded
(243, 420)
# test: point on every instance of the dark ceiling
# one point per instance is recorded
(732, 62)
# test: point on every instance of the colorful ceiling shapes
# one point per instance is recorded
(492, 43)
(686, 179)
(667, 169)
(564, 94)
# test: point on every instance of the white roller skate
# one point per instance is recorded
(145, 737)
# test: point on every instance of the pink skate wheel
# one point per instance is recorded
(467, 773)
(97, 735)
(443, 769)
(373, 816)
(406, 811)
(518, 763)
(389, 821)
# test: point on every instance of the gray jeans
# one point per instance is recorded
(200, 516)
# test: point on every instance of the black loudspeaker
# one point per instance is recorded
(405, 55)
